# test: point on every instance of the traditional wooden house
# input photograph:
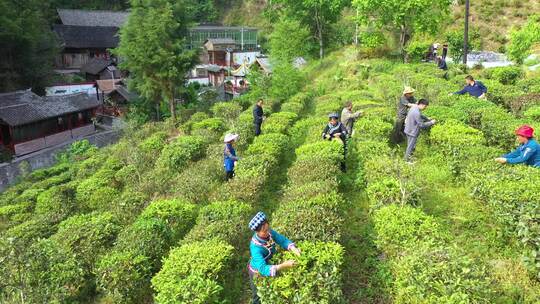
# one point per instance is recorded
(30, 123)
(219, 51)
(86, 34)
(99, 69)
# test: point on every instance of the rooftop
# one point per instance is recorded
(92, 18)
(95, 65)
(24, 107)
(87, 36)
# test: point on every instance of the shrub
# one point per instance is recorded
(87, 236)
(176, 155)
(498, 127)
(212, 124)
(453, 135)
(303, 127)
(372, 129)
(310, 170)
(24, 234)
(199, 181)
(307, 221)
(227, 111)
(293, 107)
(278, 122)
(193, 273)
(315, 279)
(332, 150)
(154, 143)
(404, 227)
(533, 113)
(417, 49)
(124, 277)
(272, 144)
(14, 214)
(223, 221)
(445, 113)
(307, 191)
(505, 75)
(57, 202)
(177, 214)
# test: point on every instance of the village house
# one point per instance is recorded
(86, 34)
(99, 69)
(29, 123)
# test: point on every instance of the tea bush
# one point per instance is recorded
(332, 150)
(227, 111)
(178, 215)
(221, 220)
(293, 107)
(315, 279)
(376, 129)
(194, 273)
(533, 113)
(178, 153)
(505, 75)
(304, 220)
(278, 122)
(57, 203)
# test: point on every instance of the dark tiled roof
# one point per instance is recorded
(92, 18)
(81, 37)
(95, 66)
(24, 107)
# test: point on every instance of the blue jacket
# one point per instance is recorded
(262, 251)
(229, 157)
(476, 90)
(528, 153)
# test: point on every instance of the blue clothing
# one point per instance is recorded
(528, 153)
(229, 155)
(262, 251)
(476, 90)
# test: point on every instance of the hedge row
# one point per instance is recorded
(310, 214)
(424, 267)
(204, 268)
(123, 275)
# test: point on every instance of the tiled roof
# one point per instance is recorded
(95, 65)
(80, 37)
(92, 17)
(24, 107)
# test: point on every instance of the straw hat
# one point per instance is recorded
(408, 90)
(230, 137)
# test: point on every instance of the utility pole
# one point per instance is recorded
(466, 34)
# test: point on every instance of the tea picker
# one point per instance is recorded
(262, 247)
(229, 155)
(528, 151)
(335, 130)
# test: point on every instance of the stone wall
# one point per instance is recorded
(47, 157)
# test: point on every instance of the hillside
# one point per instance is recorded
(495, 18)
(152, 217)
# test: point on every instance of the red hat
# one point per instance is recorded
(525, 131)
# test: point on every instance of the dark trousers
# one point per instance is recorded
(397, 133)
(411, 146)
(255, 297)
(229, 175)
(257, 128)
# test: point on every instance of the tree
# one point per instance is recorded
(153, 48)
(522, 39)
(288, 40)
(317, 15)
(403, 17)
(455, 43)
(27, 46)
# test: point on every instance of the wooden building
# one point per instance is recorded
(29, 123)
(244, 37)
(86, 34)
(219, 51)
(100, 69)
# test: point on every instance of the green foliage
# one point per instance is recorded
(178, 153)
(193, 273)
(397, 15)
(327, 12)
(417, 48)
(455, 43)
(57, 203)
(221, 220)
(87, 236)
(533, 113)
(210, 128)
(505, 75)
(177, 214)
(315, 279)
(522, 39)
(289, 40)
(123, 276)
(28, 48)
(331, 150)
(279, 122)
(158, 28)
(286, 81)
(376, 129)
(227, 111)
(293, 107)
(308, 221)
(154, 143)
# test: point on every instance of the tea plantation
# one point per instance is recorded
(151, 219)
